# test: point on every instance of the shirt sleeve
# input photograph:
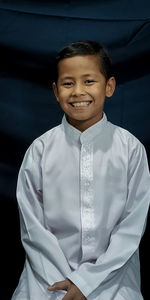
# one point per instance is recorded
(45, 256)
(126, 235)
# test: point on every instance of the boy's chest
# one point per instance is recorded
(84, 181)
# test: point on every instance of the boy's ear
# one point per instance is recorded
(55, 90)
(110, 86)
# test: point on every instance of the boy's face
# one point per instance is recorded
(81, 90)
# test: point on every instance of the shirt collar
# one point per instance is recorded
(86, 136)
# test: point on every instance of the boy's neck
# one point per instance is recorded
(82, 125)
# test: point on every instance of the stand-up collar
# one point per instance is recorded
(86, 136)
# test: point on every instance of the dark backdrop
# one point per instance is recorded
(31, 32)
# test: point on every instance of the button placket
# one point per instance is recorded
(87, 207)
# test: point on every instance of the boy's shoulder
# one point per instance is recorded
(38, 144)
(48, 134)
(124, 136)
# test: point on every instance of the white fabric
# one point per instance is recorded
(83, 200)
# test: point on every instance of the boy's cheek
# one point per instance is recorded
(62, 90)
(63, 95)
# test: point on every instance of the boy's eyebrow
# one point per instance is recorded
(66, 77)
(86, 75)
(71, 77)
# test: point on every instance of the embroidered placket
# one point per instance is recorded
(87, 207)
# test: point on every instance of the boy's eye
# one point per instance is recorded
(88, 81)
(67, 83)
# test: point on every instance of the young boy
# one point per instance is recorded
(83, 192)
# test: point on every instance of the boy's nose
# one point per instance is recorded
(78, 90)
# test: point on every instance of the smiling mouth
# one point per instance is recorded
(81, 104)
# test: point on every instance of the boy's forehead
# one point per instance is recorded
(80, 63)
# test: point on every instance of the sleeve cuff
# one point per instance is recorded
(80, 283)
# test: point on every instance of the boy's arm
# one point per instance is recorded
(46, 258)
(125, 237)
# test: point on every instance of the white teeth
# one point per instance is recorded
(81, 103)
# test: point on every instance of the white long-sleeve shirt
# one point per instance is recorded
(83, 199)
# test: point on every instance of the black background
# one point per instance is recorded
(31, 33)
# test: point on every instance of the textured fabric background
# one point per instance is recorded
(31, 32)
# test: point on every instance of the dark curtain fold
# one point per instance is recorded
(31, 33)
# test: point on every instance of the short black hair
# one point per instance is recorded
(86, 47)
